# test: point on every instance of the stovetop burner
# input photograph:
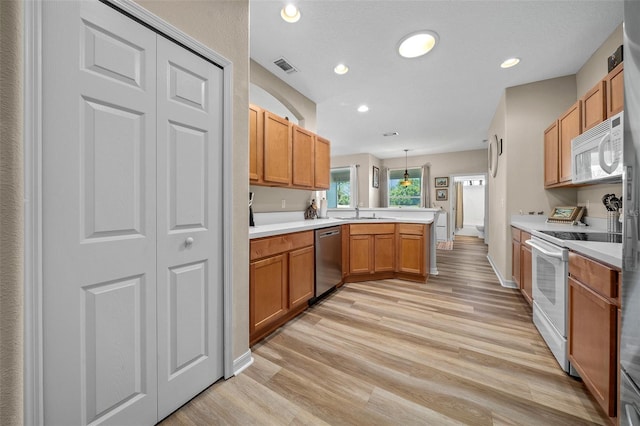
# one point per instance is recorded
(600, 237)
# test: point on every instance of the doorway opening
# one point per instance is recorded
(468, 205)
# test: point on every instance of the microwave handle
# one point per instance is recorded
(609, 168)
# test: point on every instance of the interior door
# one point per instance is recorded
(189, 222)
(99, 225)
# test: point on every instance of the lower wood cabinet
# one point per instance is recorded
(386, 250)
(412, 243)
(301, 276)
(282, 268)
(268, 290)
(521, 265)
(371, 248)
(593, 328)
(281, 280)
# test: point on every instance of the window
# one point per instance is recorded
(339, 193)
(400, 196)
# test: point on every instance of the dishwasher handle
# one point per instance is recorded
(328, 233)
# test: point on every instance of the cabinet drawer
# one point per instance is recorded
(273, 245)
(515, 234)
(372, 228)
(411, 229)
(597, 276)
(524, 236)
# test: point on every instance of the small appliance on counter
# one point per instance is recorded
(251, 223)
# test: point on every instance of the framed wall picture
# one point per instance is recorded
(375, 182)
(441, 182)
(442, 194)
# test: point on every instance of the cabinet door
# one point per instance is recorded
(256, 143)
(593, 343)
(569, 126)
(360, 254)
(322, 163)
(515, 261)
(301, 276)
(384, 253)
(615, 90)
(411, 259)
(277, 149)
(551, 151)
(594, 106)
(303, 150)
(267, 291)
(526, 273)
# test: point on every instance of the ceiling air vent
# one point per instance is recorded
(285, 66)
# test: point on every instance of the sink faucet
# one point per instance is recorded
(357, 212)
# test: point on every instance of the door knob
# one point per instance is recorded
(188, 242)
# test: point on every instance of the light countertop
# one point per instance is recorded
(609, 253)
(311, 224)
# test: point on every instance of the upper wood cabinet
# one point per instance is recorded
(615, 90)
(303, 157)
(284, 154)
(322, 163)
(551, 158)
(569, 126)
(557, 146)
(256, 143)
(594, 106)
(604, 100)
(277, 149)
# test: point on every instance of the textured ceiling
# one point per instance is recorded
(440, 102)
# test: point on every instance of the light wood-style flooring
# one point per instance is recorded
(460, 349)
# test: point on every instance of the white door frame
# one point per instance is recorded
(452, 228)
(33, 327)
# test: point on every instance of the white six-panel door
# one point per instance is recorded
(131, 170)
(189, 272)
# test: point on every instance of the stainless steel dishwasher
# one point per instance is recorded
(328, 260)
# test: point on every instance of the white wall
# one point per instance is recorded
(523, 115)
(265, 100)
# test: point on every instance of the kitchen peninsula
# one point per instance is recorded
(376, 244)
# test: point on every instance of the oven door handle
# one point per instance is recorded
(554, 254)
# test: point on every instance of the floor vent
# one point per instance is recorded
(285, 66)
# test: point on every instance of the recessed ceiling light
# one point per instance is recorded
(417, 44)
(511, 62)
(290, 13)
(363, 108)
(341, 69)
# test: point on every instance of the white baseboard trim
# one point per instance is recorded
(242, 362)
(503, 282)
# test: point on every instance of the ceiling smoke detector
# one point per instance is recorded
(285, 66)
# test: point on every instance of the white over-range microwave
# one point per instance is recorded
(596, 155)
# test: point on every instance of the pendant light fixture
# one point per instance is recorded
(406, 181)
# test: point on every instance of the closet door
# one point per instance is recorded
(99, 216)
(189, 224)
